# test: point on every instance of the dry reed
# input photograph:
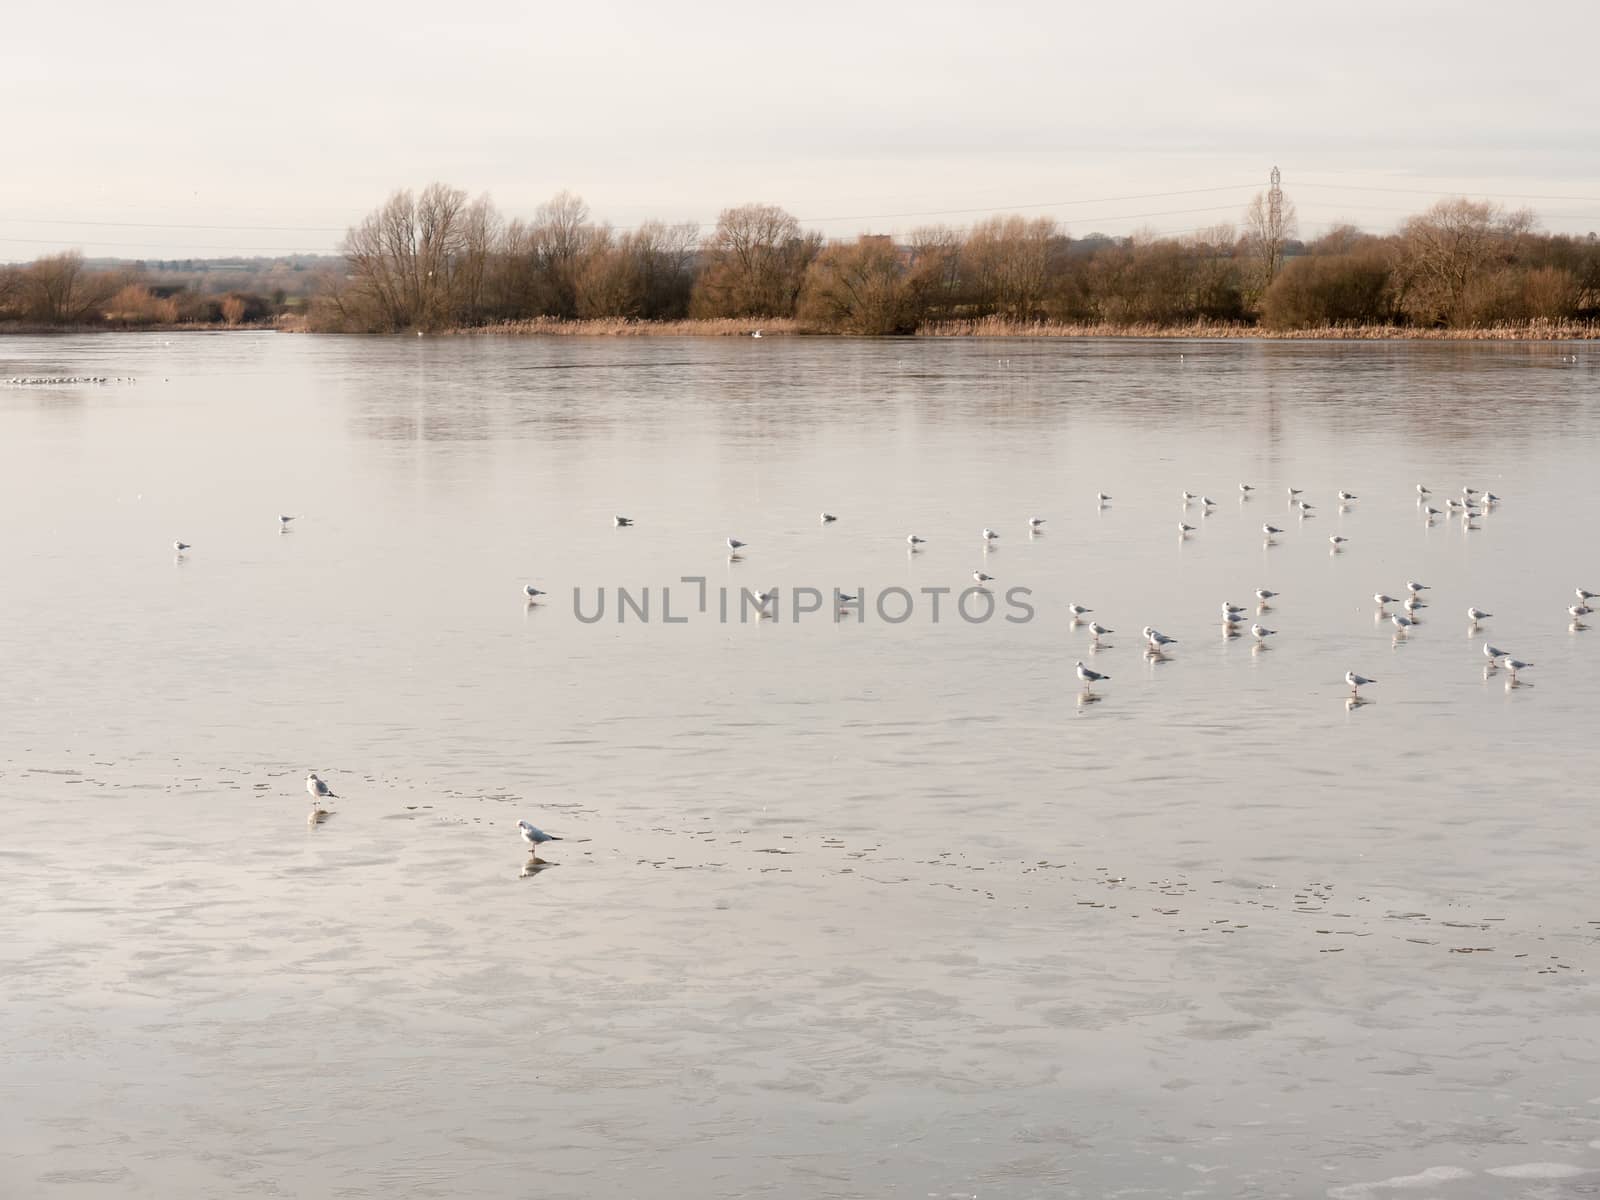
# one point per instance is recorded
(1543, 331)
(628, 327)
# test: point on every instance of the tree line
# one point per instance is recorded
(439, 259)
(68, 290)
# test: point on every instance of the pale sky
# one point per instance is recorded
(126, 128)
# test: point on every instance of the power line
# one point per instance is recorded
(1353, 187)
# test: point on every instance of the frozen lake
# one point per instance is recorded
(846, 908)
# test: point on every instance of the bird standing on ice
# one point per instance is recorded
(1357, 682)
(534, 836)
(318, 788)
(1089, 676)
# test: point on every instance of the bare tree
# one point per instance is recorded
(1266, 234)
(60, 290)
(861, 288)
(1448, 251)
(1004, 265)
(755, 263)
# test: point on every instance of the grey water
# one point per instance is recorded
(852, 907)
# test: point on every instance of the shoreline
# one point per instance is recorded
(986, 327)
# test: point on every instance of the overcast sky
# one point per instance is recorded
(306, 116)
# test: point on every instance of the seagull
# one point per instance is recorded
(1346, 497)
(1208, 501)
(735, 545)
(1078, 610)
(1035, 523)
(980, 577)
(1469, 492)
(1422, 491)
(1357, 682)
(1414, 587)
(1263, 595)
(1090, 677)
(1431, 511)
(1269, 530)
(535, 836)
(1157, 639)
(1580, 610)
(531, 592)
(1245, 489)
(1260, 632)
(1477, 614)
(1516, 664)
(1490, 498)
(1102, 497)
(1099, 630)
(843, 599)
(1305, 505)
(1189, 497)
(1232, 610)
(1584, 596)
(1382, 598)
(989, 535)
(1452, 502)
(180, 547)
(1403, 624)
(1492, 652)
(318, 788)
(622, 522)
(1412, 604)
(1338, 541)
(284, 521)
(1184, 528)
(1293, 492)
(914, 541)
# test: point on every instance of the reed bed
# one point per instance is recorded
(1543, 331)
(626, 327)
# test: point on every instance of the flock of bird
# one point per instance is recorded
(1472, 504)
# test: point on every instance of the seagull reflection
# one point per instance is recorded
(534, 866)
(1351, 703)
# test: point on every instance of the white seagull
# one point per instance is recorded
(180, 547)
(1338, 540)
(1403, 624)
(1580, 610)
(1263, 595)
(535, 836)
(1035, 523)
(283, 521)
(1414, 587)
(531, 592)
(1346, 497)
(1422, 491)
(1078, 610)
(1293, 492)
(1208, 501)
(1189, 497)
(1382, 598)
(1089, 677)
(1157, 639)
(318, 788)
(828, 518)
(1516, 664)
(914, 541)
(989, 535)
(1412, 604)
(1584, 596)
(1184, 528)
(1269, 530)
(980, 577)
(1246, 489)
(1357, 682)
(735, 545)
(1102, 497)
(1477, 614)
(1100, 630)
(1492, 652)
(1260, 632)
(622, 522)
